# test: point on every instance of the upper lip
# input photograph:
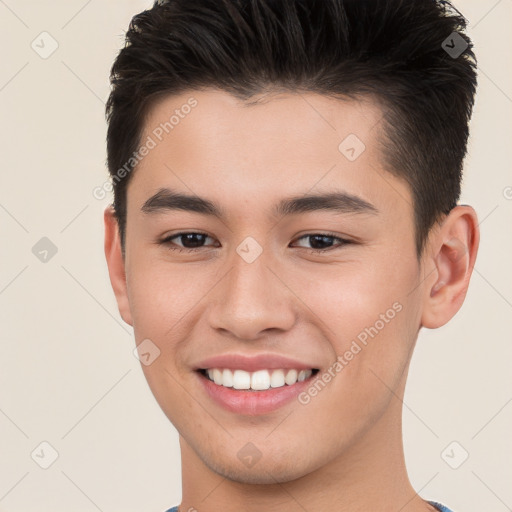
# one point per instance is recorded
(252, 363)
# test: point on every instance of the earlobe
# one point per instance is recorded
(116, 264)
(455, 248)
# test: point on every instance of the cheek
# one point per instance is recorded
(369, 316)
(162, 293)
(369, 329)
(352, 295)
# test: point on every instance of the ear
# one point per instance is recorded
(452, 252)
(116, 264)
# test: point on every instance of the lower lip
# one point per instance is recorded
(253, 402)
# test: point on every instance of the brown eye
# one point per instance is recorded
(322, 242)
(187, 241)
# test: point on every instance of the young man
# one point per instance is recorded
(285, 221)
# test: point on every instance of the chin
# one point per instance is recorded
(263, 472)
(260, 476)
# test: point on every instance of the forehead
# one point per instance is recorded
(212, 144)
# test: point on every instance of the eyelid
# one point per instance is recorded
(343, 241)
(167, 240)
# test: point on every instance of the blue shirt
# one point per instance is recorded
(440, 507)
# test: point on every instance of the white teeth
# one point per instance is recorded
(277, 379)
(217, 376)
(241, 379)
(227, 378)
(259, 380)
(291, 377)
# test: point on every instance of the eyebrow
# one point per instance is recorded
(338, 202)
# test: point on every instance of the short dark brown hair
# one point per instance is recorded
(411, 56)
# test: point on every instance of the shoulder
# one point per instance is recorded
(439, 507)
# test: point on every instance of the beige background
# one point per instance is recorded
(68, 375)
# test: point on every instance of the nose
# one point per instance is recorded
(252, 300)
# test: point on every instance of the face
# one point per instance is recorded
(295, 250)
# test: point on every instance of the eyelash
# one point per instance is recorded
(167, 241)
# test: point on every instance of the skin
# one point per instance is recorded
(342, 450)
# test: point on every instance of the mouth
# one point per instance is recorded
(257, 381)
(258, 384)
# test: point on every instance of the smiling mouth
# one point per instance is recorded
(260, 380)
